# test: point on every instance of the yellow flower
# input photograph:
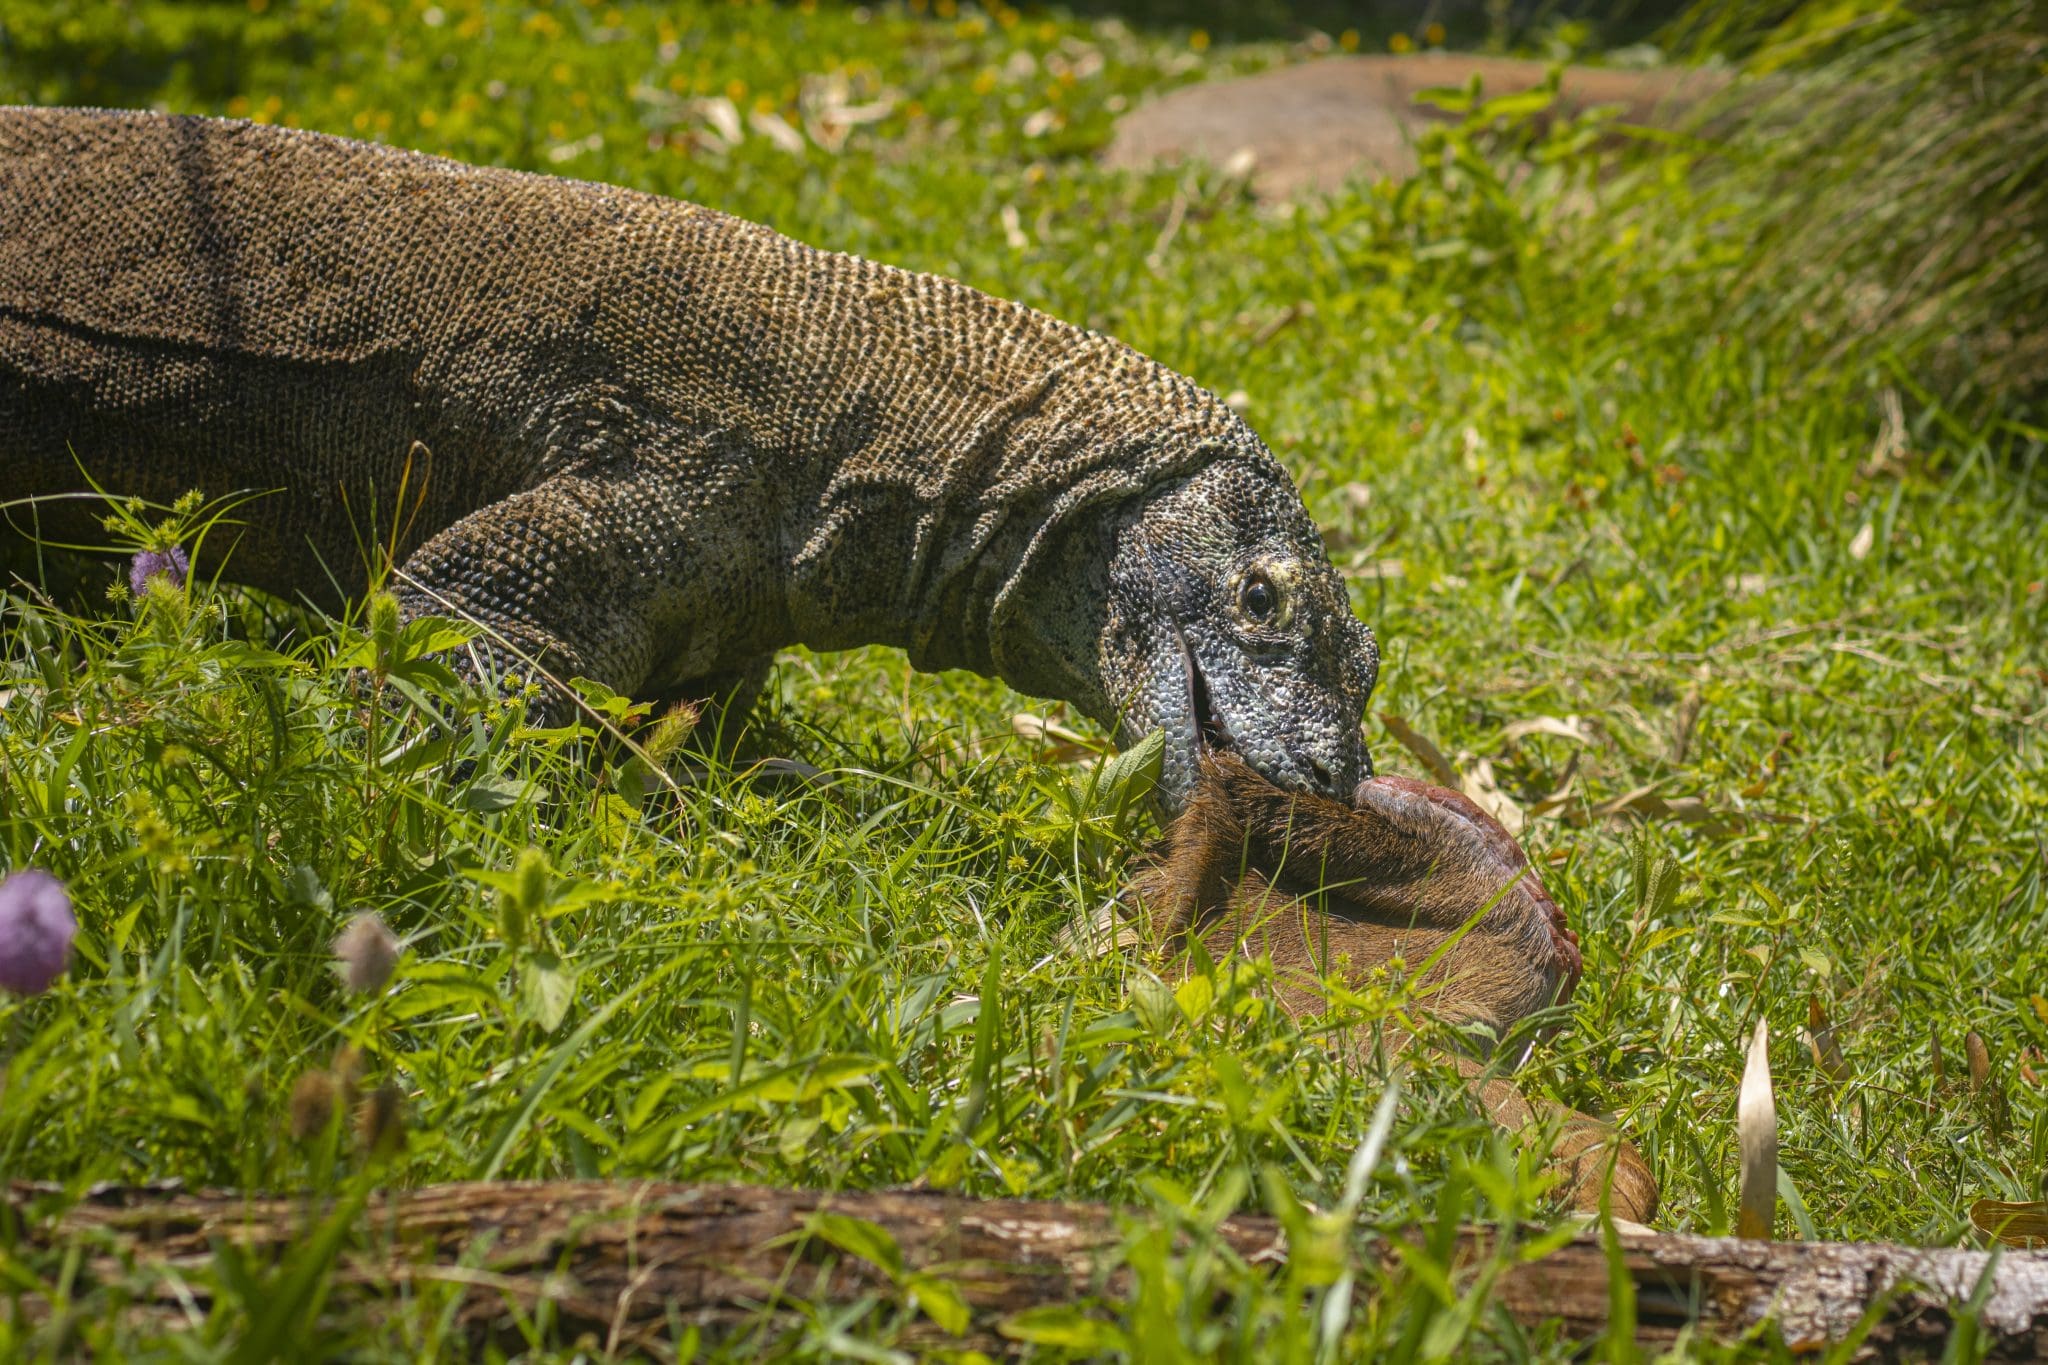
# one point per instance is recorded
(1434, 35)
(1401, 42)
(1348, 40)
(1199, 40)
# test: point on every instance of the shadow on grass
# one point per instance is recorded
(85, 52)
(1466, 23)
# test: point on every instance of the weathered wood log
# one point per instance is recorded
(628, 1262)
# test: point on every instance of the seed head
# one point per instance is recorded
(36, 929)
(380, 1122)
(350, 1066)
(312, 1106)
(171, 564)
(668, 733)
(384, 632)
(366, 952)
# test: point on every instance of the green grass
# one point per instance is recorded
(1555, 495)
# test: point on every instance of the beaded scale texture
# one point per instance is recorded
(648, 443)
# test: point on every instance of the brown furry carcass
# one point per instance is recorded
(1407, 869)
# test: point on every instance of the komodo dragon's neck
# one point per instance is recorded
(308, 308)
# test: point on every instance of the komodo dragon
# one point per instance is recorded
(655, 443)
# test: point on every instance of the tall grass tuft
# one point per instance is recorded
(1887, 163)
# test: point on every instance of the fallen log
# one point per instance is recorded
(631, 1263)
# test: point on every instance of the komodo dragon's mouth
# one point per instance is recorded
(1209, 730)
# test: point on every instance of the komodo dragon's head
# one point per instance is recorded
(1229, 629)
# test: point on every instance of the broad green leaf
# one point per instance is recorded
(489, 795)
(1066, 1327)
(942, 1303)
(547, 987)
(858, 1237)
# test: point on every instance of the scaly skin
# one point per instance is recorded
(648, 443)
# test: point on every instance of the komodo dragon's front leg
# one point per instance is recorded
(611, 575)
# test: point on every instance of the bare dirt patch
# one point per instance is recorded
(1313, 126)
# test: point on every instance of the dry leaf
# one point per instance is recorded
(1382, 568)
(1690, 809)
(1486, 794)
(1643, 801)
(1820, 1036)
(1013, 229)
(1683, 723)
(1570, 727)
(827, 114)
(1756, 1128)
(1062, 745)
(1979, 1057)
(1432, 757)
(724, 118)
(2016, 1225)
(1859, 548)
(1561, 793)
(1644, 804)
(773, 127)
(1984, 1085)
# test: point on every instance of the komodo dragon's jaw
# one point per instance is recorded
(1232, 630)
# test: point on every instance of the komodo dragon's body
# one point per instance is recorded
(646, 442)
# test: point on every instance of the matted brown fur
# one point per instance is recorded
(1329, 890)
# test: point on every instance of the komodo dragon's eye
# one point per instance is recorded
(1259, 600)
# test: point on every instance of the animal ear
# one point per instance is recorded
(1447, 818)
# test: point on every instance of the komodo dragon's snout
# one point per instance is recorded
(1234, 633)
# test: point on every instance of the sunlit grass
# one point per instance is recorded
(1813, 609)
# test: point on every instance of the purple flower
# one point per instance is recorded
(36, 926)
(147, 564)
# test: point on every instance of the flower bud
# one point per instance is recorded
(36, 929)
(170, 565)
